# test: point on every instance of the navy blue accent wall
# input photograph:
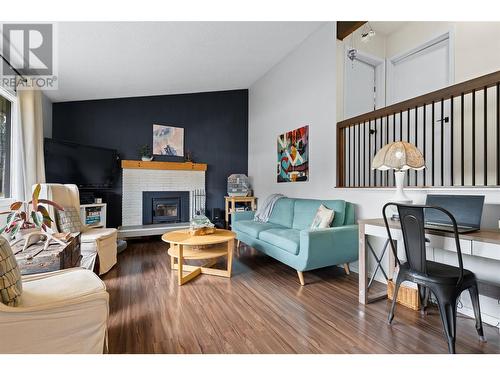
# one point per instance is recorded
(215, 131)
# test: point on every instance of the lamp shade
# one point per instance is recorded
(399, 156)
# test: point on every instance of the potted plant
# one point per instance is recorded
(188, 157)
(30, 220)
(145, 153)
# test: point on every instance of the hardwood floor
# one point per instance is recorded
(262, 309)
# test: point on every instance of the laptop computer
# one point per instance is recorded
(467, 210)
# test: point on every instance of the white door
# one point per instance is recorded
(359, 91)
(422, 70)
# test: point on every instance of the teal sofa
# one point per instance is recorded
(287, 237)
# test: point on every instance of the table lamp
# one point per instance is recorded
(399, 156)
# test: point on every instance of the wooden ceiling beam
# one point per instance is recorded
(345, 28)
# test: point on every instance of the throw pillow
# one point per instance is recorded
(69, 220)
(11, 285)
(323, 219)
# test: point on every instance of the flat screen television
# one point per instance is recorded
(88, 167)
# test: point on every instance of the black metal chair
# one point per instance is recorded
(445, 282)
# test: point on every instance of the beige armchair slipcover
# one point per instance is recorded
(95, 242)
(60, 312)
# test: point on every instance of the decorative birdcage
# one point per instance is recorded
(238, 185)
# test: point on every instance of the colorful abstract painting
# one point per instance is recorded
(168, 140)
(293, 155)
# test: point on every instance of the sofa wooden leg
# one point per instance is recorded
(301, 278)
(346, 268)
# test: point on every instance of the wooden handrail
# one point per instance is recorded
(458, 89)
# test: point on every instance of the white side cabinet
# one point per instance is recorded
(93, 215)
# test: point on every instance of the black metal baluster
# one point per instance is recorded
(452, 182)
(474, 137)
(369, 152)
(381, 173)
(424, 130)
(348, 151)
(364, 153)
(432, 142)
(416, 141)
(400, 125)
(442, 142)
(408, 126)
(485, 136)
(354, 155)
(408, 140)
(359, 154)
(387, 142)
(462, 150)
(393, 137)
(351, 147)
(374, 149)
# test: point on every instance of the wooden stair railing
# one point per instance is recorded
(457, 128)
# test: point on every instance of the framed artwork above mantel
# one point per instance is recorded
(168, 140)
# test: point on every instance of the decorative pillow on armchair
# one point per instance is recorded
(11, 285)
(323, 219)
(69, 220)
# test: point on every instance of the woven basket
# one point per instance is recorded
(406, 296)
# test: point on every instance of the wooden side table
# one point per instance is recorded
(57, 257)
(231, 205)
(183, 246)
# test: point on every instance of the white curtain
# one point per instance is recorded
(27, 165)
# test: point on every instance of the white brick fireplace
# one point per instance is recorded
(139, 177)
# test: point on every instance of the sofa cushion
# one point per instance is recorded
(60, 286)
(323, 219)
(253, 228)
(305, 210)
(283, 212)
(284, 238)
(69, 220)
(94, 234)
(11, 286)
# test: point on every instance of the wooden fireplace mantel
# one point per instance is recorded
(163, 165)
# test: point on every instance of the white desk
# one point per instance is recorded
(483, 243)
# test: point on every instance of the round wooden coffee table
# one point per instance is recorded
(183, 245)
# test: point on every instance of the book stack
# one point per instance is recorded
(92, 216)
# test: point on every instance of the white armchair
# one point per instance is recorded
(95, 242)
(60, 312)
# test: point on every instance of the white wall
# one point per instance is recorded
(299, 91)
(302, 90)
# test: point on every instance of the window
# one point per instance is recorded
(5, 127)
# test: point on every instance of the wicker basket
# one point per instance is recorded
(406, 296)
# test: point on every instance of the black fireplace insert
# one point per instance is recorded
(160, 207)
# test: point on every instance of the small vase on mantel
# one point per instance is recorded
(145, 153)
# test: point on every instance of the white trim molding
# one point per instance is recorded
(14, 124)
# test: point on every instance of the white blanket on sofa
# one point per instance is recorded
(264, 211)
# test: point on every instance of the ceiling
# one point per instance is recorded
(119, 59)
(387, 27)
